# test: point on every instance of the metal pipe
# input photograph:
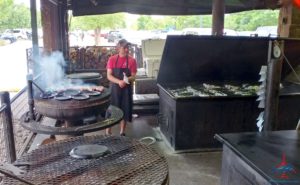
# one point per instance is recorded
(35, 41)
(36, 85)
(8, 128)
(30, 97)
(63, 22)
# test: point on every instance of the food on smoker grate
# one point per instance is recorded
(80, 97)
(48, 95)
(90, 93)
(210, 86)
(62, 98)
(208, 90)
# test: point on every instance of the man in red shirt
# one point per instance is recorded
(121, 71)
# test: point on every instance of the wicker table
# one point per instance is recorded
(128, 162)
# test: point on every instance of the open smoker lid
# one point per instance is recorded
(153, 48)
(198, 59)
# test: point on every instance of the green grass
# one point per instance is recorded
(3, 42)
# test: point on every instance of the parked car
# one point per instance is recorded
(207, 31)
(8, 37)
(104, 33)
(266, 31)
(114, 36)
(28, 34)
(196, 31)
(18, 33)
(247, 33)
(229, 32)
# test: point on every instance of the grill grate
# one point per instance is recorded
(129, 162)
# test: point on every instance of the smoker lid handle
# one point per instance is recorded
(13, 172)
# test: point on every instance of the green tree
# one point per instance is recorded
(145, 22)
(242, 21)
(181, 22)
(5, 6)
(21, 17)
(98, 22)
(250, 20)
(14, 15)
(176, 22)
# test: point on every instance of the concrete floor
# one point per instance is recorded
(202, 168)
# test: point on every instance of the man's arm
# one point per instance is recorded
(115, 80)
(132, 77)
(111, 78)
(133, 70)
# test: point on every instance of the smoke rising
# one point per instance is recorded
(51, 70)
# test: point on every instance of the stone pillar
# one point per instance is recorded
(289, 20)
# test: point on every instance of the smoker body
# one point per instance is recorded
(189, 123)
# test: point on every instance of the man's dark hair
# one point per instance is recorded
(123, 43)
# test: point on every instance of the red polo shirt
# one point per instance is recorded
(111, 64)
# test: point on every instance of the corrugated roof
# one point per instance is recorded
(164, 7)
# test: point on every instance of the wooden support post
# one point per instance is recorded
(288, 26)
(218, 13)
(8, 131)
(53, 17)
(289, 21)
(272, 90)
(64, 29)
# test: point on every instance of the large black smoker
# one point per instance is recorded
(190, 122)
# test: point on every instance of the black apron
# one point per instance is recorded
(122, 97)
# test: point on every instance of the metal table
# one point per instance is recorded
(114, 115)
(128, 162)
(268, 158)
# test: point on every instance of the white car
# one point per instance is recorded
(266, 31)
(206, 31)
(196, 31)
(18, 33)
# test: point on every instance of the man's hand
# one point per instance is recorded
(125, 78)
(121, 84)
